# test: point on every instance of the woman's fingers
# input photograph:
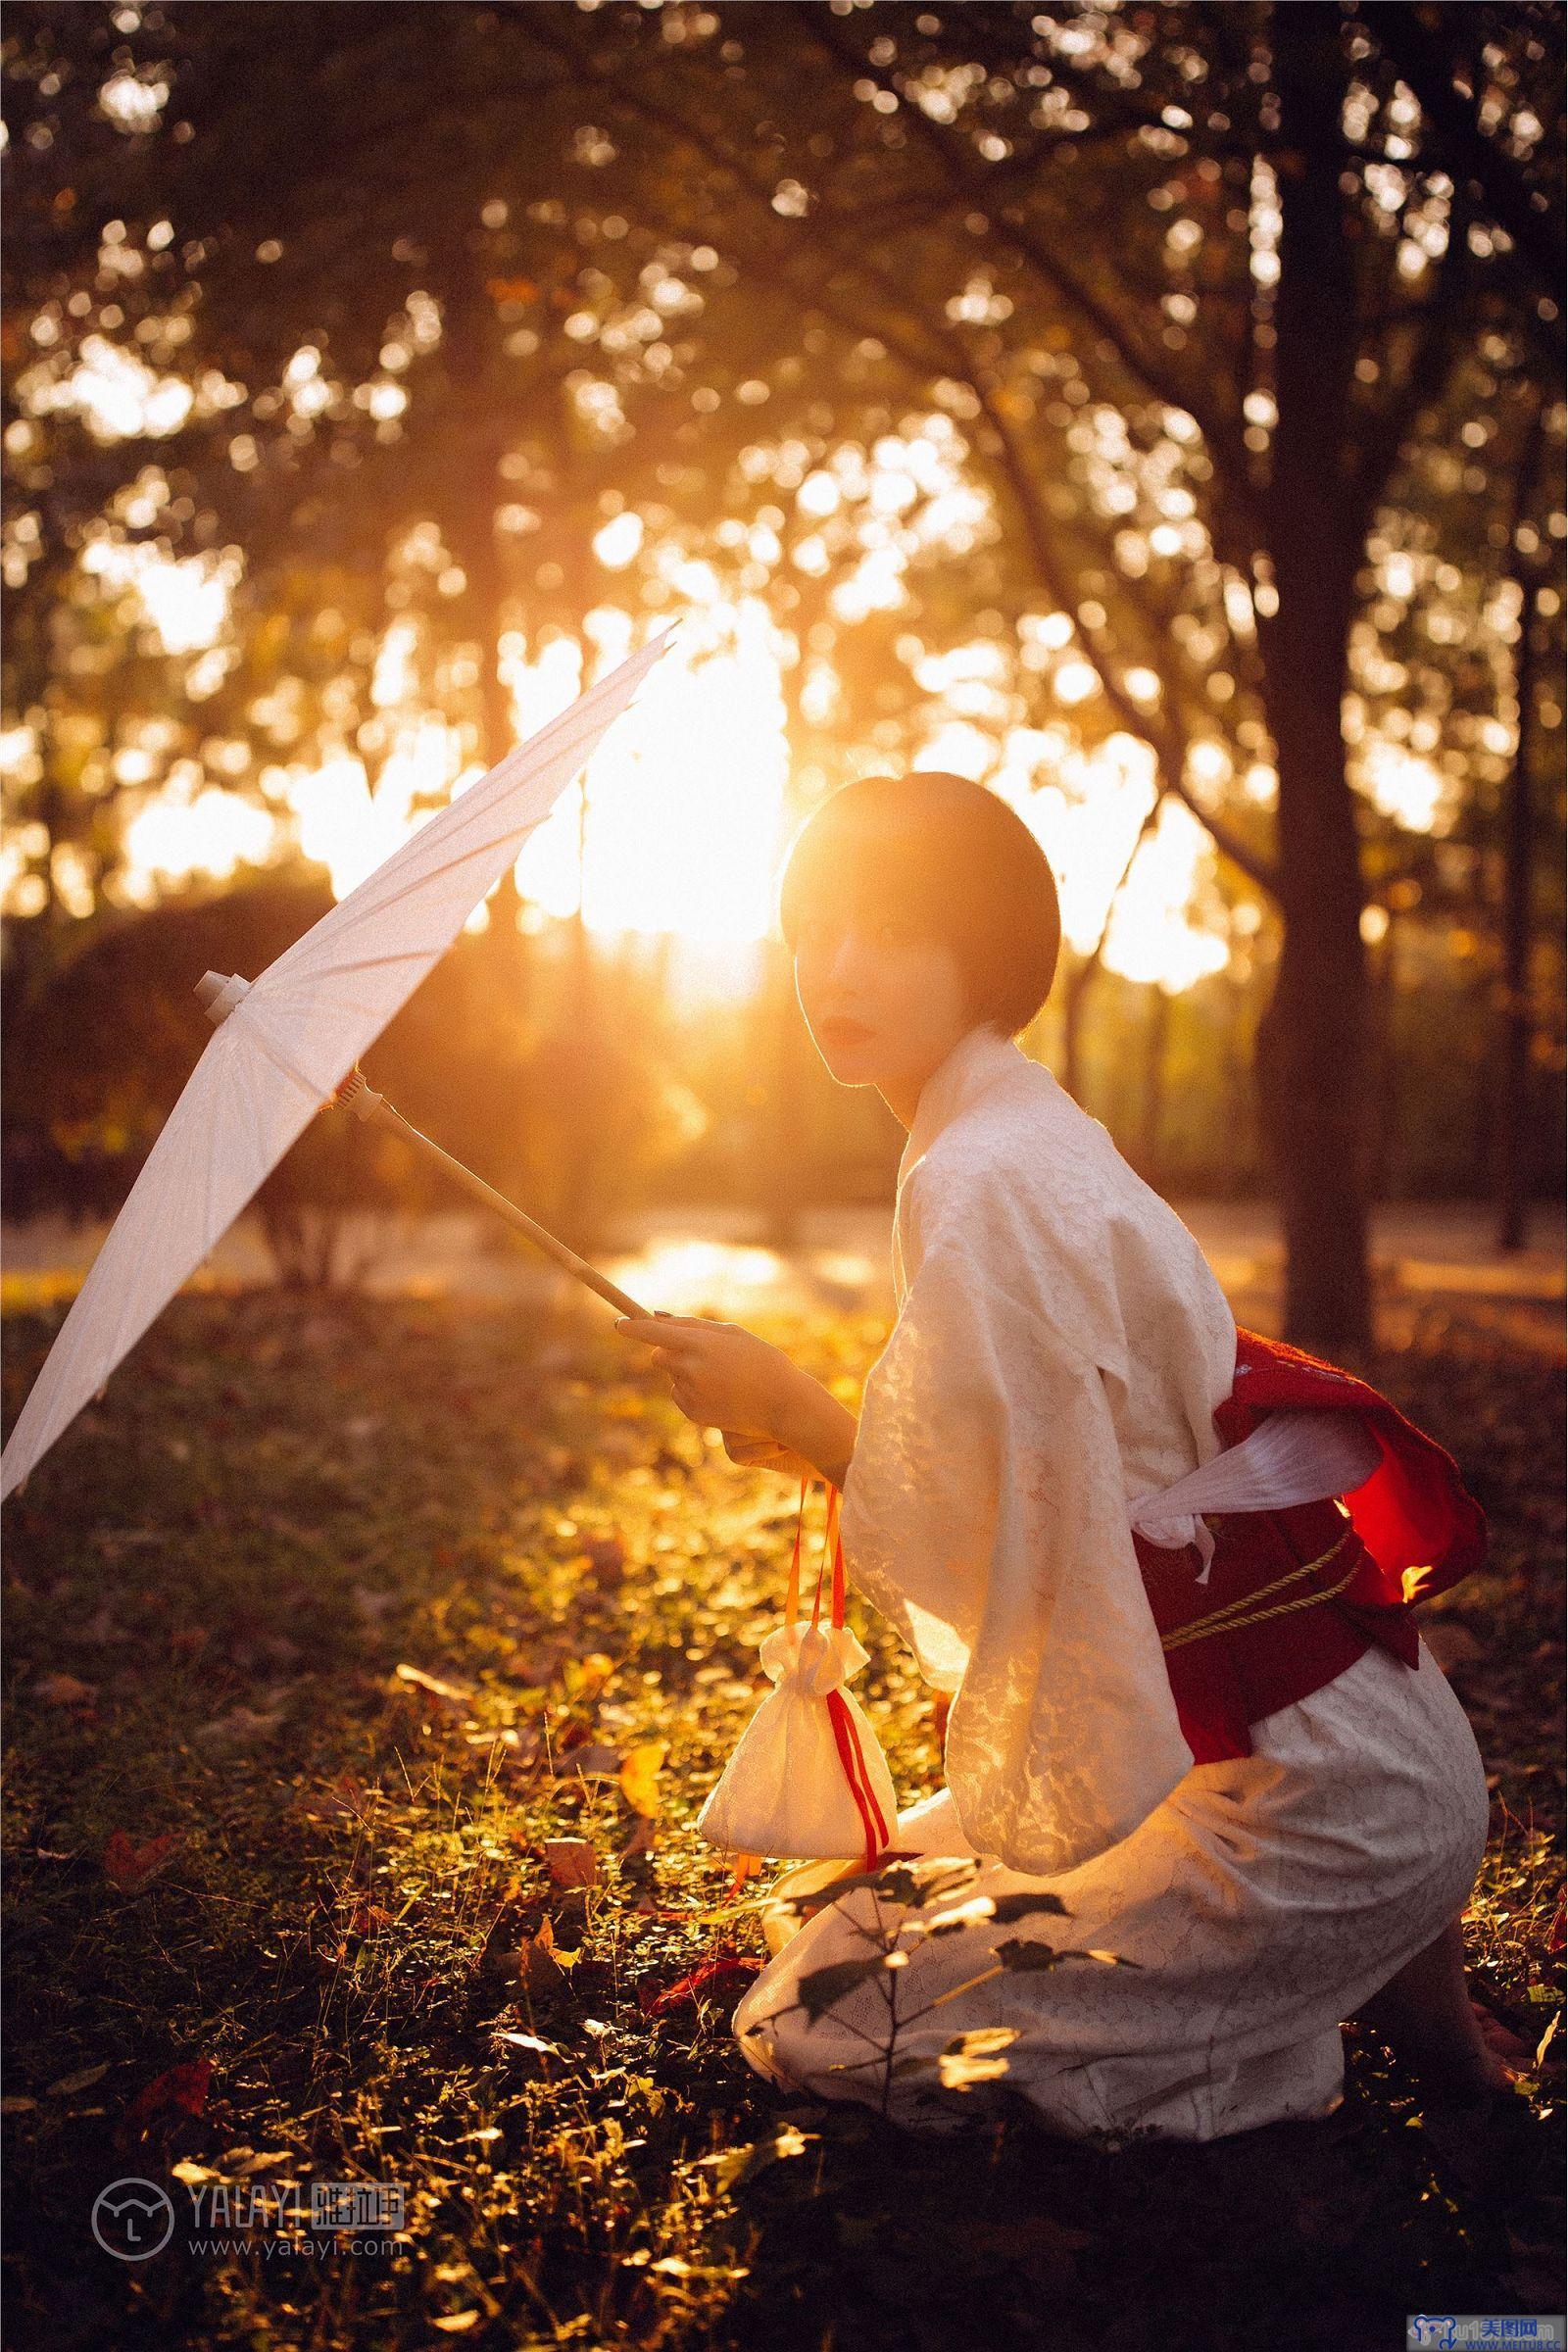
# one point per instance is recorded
(653, 1329)
(722, 1375)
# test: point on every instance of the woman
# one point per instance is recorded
(1062, 1350)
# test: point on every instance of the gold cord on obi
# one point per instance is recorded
(1237, 1613)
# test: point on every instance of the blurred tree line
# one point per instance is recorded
(1238, 328)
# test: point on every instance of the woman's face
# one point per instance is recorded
(884, 1001)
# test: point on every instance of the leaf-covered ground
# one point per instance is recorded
(366, 1667)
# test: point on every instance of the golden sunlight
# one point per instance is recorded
(681, 830)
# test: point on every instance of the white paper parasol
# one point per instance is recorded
(286, 1041)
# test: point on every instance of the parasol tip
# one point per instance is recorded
(356, 1092)
(217, 994)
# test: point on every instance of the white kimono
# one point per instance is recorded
(1060, 1346)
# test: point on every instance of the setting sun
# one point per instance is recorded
(683, 825)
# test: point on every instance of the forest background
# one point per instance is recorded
(1156, 414)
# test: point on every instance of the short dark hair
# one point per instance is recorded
(950, 858)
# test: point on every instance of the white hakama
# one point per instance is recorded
(1060, 1346)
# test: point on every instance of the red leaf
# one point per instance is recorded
(182, 2091)
(723, 1978)
(131, 1865)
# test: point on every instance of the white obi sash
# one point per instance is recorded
(1298, 1455)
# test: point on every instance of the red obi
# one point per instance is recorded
(1409, 1532)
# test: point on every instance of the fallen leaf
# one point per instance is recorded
(511, 1955)
(585, 1678)
(533, 2043)
(639, 1777)
(237, 1726)
(64, 1690)
(181, 2090)
(535, 1964)
(457, 2322)
(449, 1693)
(571, 1862)
(518, 1747)
(83, 2080)
(722, 1978)
(131, 1865)
(243, 2164)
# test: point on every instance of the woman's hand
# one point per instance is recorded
(720, 1375)
(770, 1414)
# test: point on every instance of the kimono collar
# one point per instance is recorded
(980, 1061)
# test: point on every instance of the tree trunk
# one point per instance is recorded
(1232, 1177)
(470, 521)
(1152, 1108)
(1513, 1117)
(478, 551)
(1312, 1041)
(1074, 1007)
(786, 1176)
(1383, 1182)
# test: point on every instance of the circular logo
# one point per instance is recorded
(133, 2220)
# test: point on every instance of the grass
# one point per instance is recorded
(277, 1911)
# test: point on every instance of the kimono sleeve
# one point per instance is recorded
(984, 1514)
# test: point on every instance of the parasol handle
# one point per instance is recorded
(218, 992)
(356, 1094)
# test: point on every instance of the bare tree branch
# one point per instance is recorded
(1420, 58)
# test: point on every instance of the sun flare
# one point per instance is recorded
(679, 826)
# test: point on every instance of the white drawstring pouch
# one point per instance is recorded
(809, 1781)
